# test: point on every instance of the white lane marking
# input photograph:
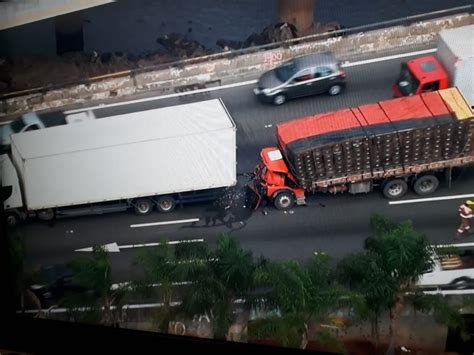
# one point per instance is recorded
(55, 309)
(430, 199)
(4, 123)
(115, 248)
(456, 245)
(243, 83)
(173, 242)
(390, 57)
(450, 292)
(191, 220)
(128, 284)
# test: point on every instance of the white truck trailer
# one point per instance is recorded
(456, 53)
(140, 159)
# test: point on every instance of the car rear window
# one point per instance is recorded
(17, 125)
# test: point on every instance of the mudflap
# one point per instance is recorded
(253, 197)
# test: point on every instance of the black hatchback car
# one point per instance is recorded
(57, 283)
(303, 76)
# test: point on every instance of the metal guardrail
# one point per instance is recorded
(404, 21)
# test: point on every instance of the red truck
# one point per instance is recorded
(391, 144)
(453, 66)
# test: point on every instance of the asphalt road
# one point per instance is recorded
(337, 224)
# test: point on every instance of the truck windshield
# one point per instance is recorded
(407, 83)
(17, 125)
(286, 71)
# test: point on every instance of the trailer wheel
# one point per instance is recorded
(395, 188)
(165, 204)
(45, 215)
(12, 220)
(284, 200)
(425, 185)
(143, 206)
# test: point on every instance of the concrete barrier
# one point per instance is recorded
(229, 70)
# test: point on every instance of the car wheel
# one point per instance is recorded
(143, 206)
(12, 220)
(395, 188)
(335, 90)
(279, 99)
(461, 284)
(284, 200)
(165, 204)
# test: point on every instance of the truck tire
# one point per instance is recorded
(425, 185)
(395, 188)
(279, 99)
(165, 204)
(45, 215)
(143, 206)
(12, 220)
(284, 200)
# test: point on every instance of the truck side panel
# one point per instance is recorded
(456, 53)
(130, 171)
(447, 57)
(464, 78)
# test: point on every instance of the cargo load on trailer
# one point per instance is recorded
(353, 148)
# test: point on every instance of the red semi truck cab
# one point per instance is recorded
(451, 66)
(421, 75)
(275, 182)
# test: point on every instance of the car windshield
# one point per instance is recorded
(17, 125)
(407, 81)
(286, 71)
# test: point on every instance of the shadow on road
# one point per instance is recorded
(232, 210)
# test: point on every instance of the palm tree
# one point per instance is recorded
(162, 267)
(386, 272)
(219, 278)
(102, 302)
(300, 294)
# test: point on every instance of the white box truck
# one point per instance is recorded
(452, 66)
(133, 159)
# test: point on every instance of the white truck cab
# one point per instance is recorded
(9, 180)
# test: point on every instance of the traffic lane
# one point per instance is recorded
(365, 84)
(337, 225)
(256, 122)
(241, 99)
(50, 243)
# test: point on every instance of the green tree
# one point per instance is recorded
(385, 273)
(300, 295)
(102, 302)
(218, 278)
